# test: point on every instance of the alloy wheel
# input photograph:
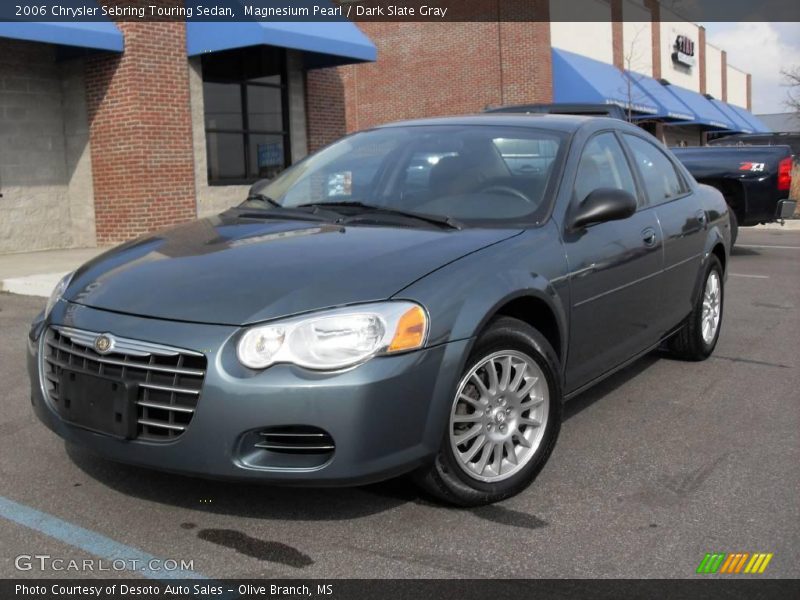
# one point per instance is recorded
(499, 416)
(712, 302)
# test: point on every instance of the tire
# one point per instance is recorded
(498, 413)
(734, 226)
(690, 343)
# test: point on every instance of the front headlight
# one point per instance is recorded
(337, 338)
(57, 292)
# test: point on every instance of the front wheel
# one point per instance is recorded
(698, 337)
(504, 418)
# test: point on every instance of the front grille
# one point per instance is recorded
(296, 439)
(168, 380)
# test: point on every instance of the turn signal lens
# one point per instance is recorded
(410, 332)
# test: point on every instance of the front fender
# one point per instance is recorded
(464, 295)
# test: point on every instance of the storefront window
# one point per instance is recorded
(246, 115)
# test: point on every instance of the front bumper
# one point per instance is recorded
(386, 416)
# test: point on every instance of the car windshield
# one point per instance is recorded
(472, 173)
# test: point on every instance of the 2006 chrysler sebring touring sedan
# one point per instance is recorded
(420, 297)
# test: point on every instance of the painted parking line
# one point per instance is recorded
(89, 541)
(767, 246)
(749, 276)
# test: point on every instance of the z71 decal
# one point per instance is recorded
(752, 167)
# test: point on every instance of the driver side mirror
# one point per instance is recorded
(604, 204)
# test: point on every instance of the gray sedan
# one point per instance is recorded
(417, 298)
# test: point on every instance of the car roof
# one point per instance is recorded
(565, 123)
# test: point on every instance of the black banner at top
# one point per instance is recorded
(399, 10)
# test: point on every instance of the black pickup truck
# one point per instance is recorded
(755, 180)
(775, 138)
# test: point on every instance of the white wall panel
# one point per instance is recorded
(590, 38)
(714, 71)
(737, 87)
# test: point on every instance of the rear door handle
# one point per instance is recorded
(701, 217)
(649, 236)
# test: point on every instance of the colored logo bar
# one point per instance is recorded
(735, 563)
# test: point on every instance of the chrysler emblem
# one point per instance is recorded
(103, 343)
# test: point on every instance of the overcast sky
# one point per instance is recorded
(763, 50)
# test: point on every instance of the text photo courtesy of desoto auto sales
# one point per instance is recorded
(355, 299)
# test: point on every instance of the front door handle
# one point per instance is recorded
(649, 236)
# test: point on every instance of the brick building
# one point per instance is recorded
(110, 130)
(636, 54)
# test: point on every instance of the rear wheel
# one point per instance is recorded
(504, 418)
(698, 337)
(734, 226)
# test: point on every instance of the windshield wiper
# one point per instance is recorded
(441, 221)
(284, 214)
(263, 198)
(278, 211)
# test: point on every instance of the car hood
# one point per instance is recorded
(233, 271)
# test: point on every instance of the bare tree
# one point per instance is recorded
(631, 63)
(628, 73)
(791, 79)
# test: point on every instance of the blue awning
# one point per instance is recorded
(669, 107)
(756, 123)
(741, 124)
(95, 35)
(324, 44)
(579, 79)
(705, 113)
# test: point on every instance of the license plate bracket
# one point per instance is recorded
(785, 209)
(98, 403)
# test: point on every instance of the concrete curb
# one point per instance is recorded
(32, 285)
(791, 225)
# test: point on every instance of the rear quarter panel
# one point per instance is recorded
(718, 233)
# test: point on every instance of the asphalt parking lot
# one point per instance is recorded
(657, 466)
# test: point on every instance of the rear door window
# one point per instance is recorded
(660, 177)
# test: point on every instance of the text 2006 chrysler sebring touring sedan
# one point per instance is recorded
(418, 297)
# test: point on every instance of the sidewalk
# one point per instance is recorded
(37, 273)
(791, 225)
